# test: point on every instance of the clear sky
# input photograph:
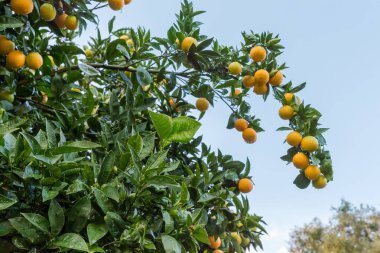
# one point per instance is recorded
(333, 45)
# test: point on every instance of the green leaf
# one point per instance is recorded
(302, 181)
(162, 123)
(38, 221)
(207, 197)
(171, 245)
(95, 232)
(6, 202)
(27, 230)
(6, 228)
(56, 217)
(106, 168)
(9, 22)
(76, 146)
(184, 129)
(71, 241)
(143, 76)
(115, 224)
(68, 49)
(162, 181)
(79, 214)
(88, 70)
(32, 142)
(201, 235)
(104, 203)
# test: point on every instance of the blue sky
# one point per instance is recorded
(334, 47)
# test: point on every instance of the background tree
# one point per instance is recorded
(97, 146)
(351, 229)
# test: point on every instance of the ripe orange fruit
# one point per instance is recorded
(15, 60)
(258, 53)
(217, 251)
(286, 112)
(116, 5)
(34, 60)
(248, 81)
(249, 135)
(235, 68)
(261, 77)
(202, 104)
(124, 37)
(187, 43)
(300, 160)
(236, 93)
(277, 79)
(245, 185)
(6, 46)
(22, 7)
(71, 22)
(214, 243)
(309, 143)
(288, 98)
(320, 182)
(60, 20)
(294, 138)
(312, 172)
(48, 12)
(127, 2)
(260, 89)
(241, 124)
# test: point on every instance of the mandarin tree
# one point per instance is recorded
(99, 150)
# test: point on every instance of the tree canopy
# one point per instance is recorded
(99, 146)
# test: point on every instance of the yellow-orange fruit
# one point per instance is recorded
(236, 93)
(44, 99)
(320, 182)
(124, 37)
(214, 243)
(241, 124)
(300, 160)
(245, 185)
(127, 2)
(116, 5)
(286, 112)
(6, 46)
(312, 172)
(217, 251)
(261, 77)
(288, 98)
(258, 53)
(34, 60)
(248, 81)
(249, 135)
(277, 79)
(60, 20)
(309, 143)
(237, 237)
(22, 7)
(48, 12)
(202, 104)
(71, 22)
(260, 89)
(171, 102)
(15, 59)
(235, 68)
(294, 138)
(187, 43)
(89, 53)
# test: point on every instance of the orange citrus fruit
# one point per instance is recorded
(34, 60)
(214, 243)
(312, 172)
(60, 20)
(187, 43)
(294, 138)
(22, 7)
(235, 68)
(258, 53)
(261, 77)
(241, 124)
(236, 93)
(6, 46)
(127, 2)
(260, 89)
(15, 59)
(249, 135)
(320, 182)
(300, 160)
(248, 81)
(116, 5)
(286, 112)
(71, 22)
(202, 104)
(309, 143)
(245, 185)
(48, 12)
(277, 79)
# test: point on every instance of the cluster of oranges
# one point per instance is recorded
(117, 5)
(16, 59)
(216, 242)
(47, 12)
(307, 145)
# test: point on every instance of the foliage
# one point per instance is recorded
(351, 229)
(98, 147)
